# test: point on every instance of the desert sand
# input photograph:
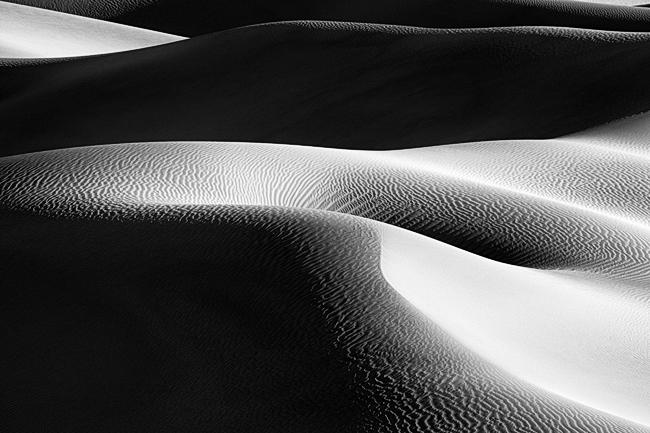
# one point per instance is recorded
(27, 32)
(332, 85)
(198, 17)
(434, 224)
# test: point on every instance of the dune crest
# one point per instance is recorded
(487, 198)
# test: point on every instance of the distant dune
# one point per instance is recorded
(27, 32)
(198, 17)
(340, 225)
(336, 85)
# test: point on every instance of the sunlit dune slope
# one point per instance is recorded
(27, 32)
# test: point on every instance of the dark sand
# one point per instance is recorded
(334, 85)
(198, 17)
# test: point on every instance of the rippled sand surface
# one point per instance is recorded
(390, 221)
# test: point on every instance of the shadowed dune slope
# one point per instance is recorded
(203, 318)
(197, 17)
(27, 32)
(332, 84)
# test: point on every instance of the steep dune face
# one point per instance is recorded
(197, 17)
(335, 85)
(27, 32)
(240, 318)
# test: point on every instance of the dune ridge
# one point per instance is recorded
(485, 197)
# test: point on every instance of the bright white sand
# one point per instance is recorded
(27, 32)
(572, 334)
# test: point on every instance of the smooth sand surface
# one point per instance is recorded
(576, 335)
(199, 17)
(332, 84)
(27, 32)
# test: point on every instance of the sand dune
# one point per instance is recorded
(572, 334)
(27, 32)
(175, 307)
(197, 17)
(578, 335)
(318, 226)
(334, 85)
(485, 198)
(628, 136)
